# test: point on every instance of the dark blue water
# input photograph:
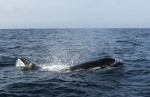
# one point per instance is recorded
(66, 47)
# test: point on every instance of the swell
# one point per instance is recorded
(7, 61)
(49, 87)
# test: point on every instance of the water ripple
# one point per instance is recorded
(71, 47)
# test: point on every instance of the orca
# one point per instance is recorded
(100, 64)
(26, 64)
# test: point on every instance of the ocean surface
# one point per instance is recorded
(54, 49)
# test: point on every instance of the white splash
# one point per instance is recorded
(55, 68)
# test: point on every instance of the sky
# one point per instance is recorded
(74, 14)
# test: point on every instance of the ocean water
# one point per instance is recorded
(54, 49)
